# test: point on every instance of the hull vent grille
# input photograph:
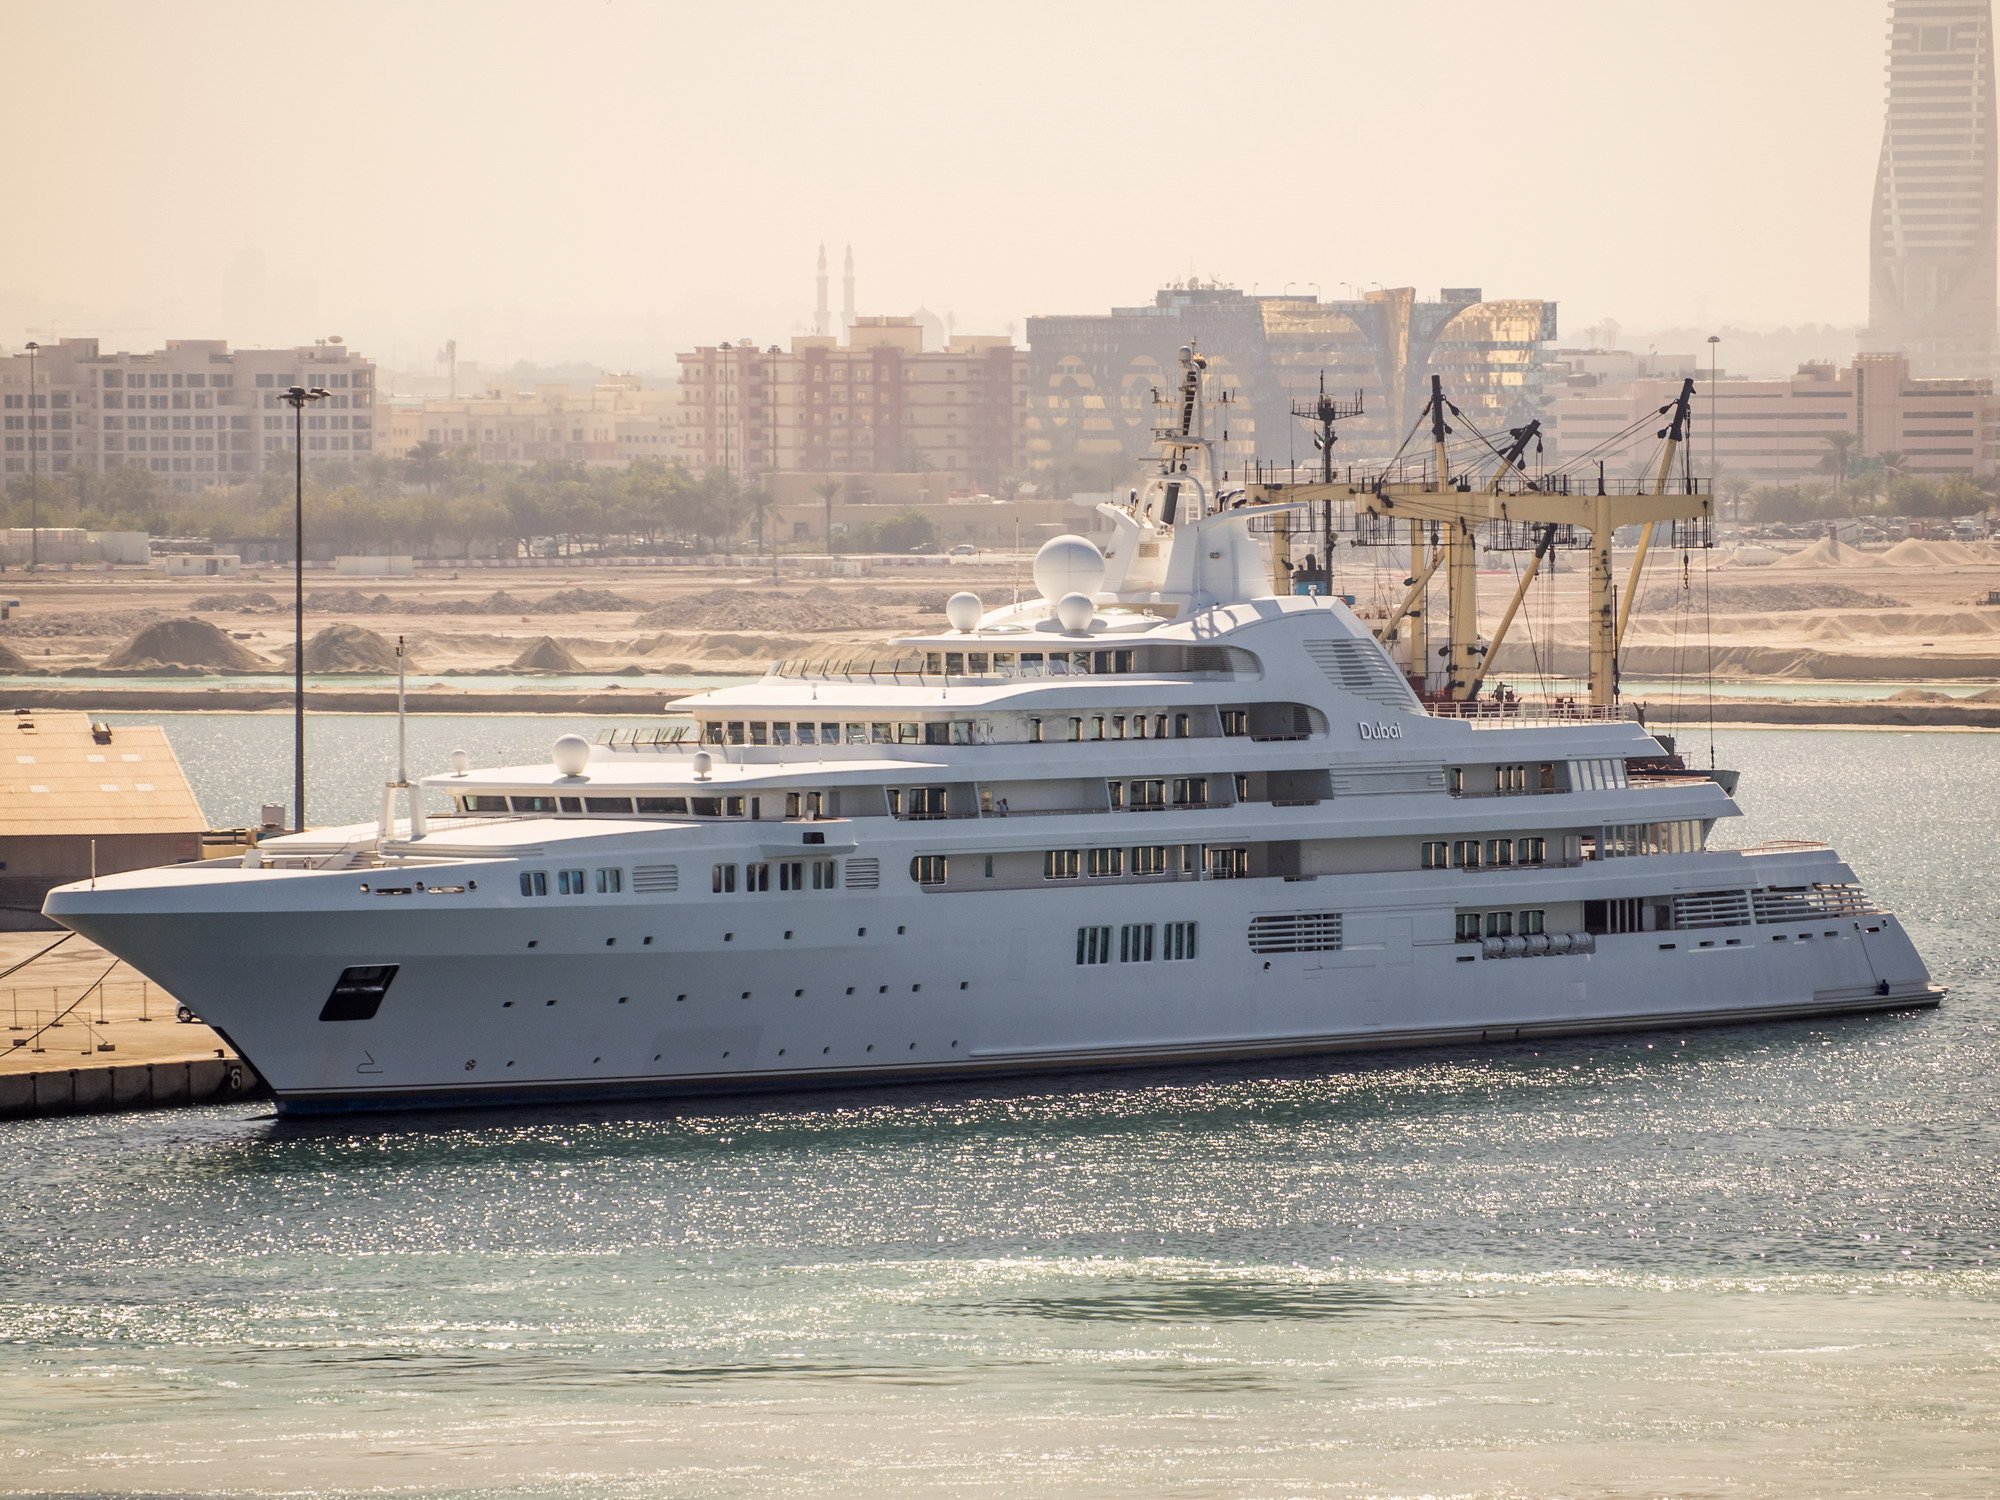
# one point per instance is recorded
(652, 880)
(864, 874)
(1296, 932)
(1712, 909)
(1360, 668)
(1380, 782)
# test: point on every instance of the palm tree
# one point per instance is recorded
(757, 505)
(1893, 460)
(427, 463)
(1838, 456)
(829, 491)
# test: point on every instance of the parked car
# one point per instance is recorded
(925, 547)
(964, 549)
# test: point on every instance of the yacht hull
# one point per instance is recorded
(493, 1004)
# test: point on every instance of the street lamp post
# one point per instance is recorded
(296, 397)
(34, 473)
(1713, 340)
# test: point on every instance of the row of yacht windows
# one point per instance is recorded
(759, 876)
(1136, 943)
(1110, 863)
(1475, 854)
(1072, 729)
(1026, 663)
(1473, 925)
(703, 807)
(607, 882)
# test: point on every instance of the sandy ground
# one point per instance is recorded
(1914, 612)
(132, 1016)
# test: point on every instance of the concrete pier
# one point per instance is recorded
(121, 1048)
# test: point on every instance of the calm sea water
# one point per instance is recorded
(1751, 1262)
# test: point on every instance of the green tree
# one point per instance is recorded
(904, 530)
(428, 464)
(1838, 456)
(828, 491)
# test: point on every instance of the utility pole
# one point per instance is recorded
(297, 397)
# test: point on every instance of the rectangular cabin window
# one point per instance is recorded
(907, 734)
(1093, 945)
(1097, 727)
(1061, 864)
(757, 877)
(1534, 923)
(1135, 943)
(781, 734)
(732, 807)
(705, 807)
(1454, 780)
(928, 869)
(857, 734)
(1499, 924)
(663, 805)
(1149, 859)
(895, 796)
(1468, 927)
(1031, 663)
(1499, 852)
(1075, 730)
(760, 732)
(569, 882)
(806, 734)
(607, 804)
(794, 804)
(961, 731)
(1103, 862)
(825, 874)
(722, 880)
(829, 734)
(1034, 731)
(1436, 855)
(1139, 722)
(937, 734)
(1531, 851)
(1118, 726)
(1183, 726)
(534, 882)
(881, 734)
(1177, 941)
(954, 663)
(978, 663)
(934, 662)
(1191, 791)
(1229, 864)
(1117, 790)
(486, 804)
(1465, 853)
(735, 728)
(791, 875)
(1242, 786)
(1149, 793)
(1235, 721)
(610, 882)
(711, 732)
(570, 804)
(534, 804)
(989, 867)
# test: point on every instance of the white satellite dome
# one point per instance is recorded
(571, 754)
(963, 610)
(460, 762)
(703, 764)
(1068, 564)
(1074, 611)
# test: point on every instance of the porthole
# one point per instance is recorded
(881, 989)
(861, 932)
(745, 995)
(850, 989)
(901, 930)
(871, 1046)
(679, 998)
(788, 934)
(611, 942)
(915, 988)
(646, 942)
(797, 994)
(729, 937)
(506, 1004)
(548, 1002)
(623, 999)
(965, 984)
(534, 942)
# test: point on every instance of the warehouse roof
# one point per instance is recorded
(60, 774)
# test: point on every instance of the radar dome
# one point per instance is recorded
(703, 764)
(1068, 564)
(571, 755)
(460, 762)
(963, 610)
(1074, 611)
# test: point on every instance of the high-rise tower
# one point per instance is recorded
(1932, 282)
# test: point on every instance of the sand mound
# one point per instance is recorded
(183, 644)
(1914, 552)
(817, 608)
(581, 602)
(252, 599)
(348, 648)
(346, 602)
(1767, 598)
(12, 660)
(547, 655)
(1829, 552)
(1920, 695)
(1990, 695)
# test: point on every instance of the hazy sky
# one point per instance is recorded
(613, 180)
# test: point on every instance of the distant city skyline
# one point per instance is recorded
(651, 178)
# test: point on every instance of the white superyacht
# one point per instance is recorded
(1165, 812)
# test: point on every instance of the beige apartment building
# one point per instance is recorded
(1769, 430)
(880, 403)
(195, 412)
(611, 424)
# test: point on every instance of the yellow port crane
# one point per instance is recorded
(1451, 509)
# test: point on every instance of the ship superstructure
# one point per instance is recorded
(1160, 812)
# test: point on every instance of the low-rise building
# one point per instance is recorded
(195, 412)
(1768, 430)
(78, 797)
(617, 420)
